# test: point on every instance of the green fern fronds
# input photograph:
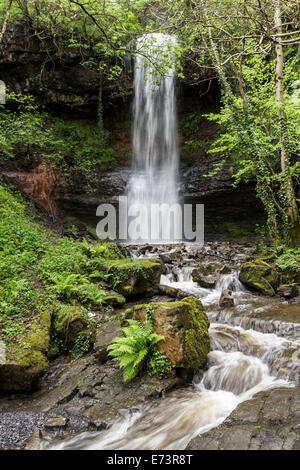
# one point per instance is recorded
(132, 350)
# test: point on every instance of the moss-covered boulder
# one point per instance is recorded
(259, 276)
(70, 321)
(130, 277)
(184, 326)
(114, 299)
(25, 361)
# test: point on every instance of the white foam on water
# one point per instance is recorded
(171, 423)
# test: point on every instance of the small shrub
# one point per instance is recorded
(82, 345)
(159, 364)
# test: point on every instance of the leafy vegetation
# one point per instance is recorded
(134, 349)
(159, 365)
(36, 135)
(39, 268)
(288, 264)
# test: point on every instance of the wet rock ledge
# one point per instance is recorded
(79, 396)
(269, 421)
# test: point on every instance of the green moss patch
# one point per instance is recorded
(184, 326)
(259, 276)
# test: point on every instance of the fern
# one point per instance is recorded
(134, 347)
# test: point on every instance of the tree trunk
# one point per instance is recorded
(292, 207)
(100, 107)
(6, 18)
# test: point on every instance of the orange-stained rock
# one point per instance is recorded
(40, 185)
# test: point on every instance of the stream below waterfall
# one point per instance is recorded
(250, 353)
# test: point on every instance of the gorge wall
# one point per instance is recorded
(64, 87)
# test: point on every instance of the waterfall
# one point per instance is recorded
(155, 141)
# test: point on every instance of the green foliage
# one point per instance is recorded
(22, 242)
(159, 365)
(234, 230)
(134, 348)
(69, 145)
(252, 137)
(37, 268)
(82, 345)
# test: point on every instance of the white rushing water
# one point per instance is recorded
(155, 139)
(182, 279)
(231, 379)
(241, 364)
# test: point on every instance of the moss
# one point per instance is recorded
(186, 324)
(260, 276)
(25, 362)
(70, 321)
(129, 276)
(197, 341)
(171, 291)
(103, 250)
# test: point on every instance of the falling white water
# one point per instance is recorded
(155, 141)
(182, 279)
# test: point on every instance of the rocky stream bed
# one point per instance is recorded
(247, 396)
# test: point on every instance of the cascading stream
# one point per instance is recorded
(241, 363)
(231, 379)
(155, 139)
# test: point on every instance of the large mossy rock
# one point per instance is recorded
(130, 277)
(259, 276)
(70, 321)
(184, 326)
(24, 362)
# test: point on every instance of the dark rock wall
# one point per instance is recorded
(53, 76)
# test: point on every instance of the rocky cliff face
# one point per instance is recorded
(59, 82)
(38, 67)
